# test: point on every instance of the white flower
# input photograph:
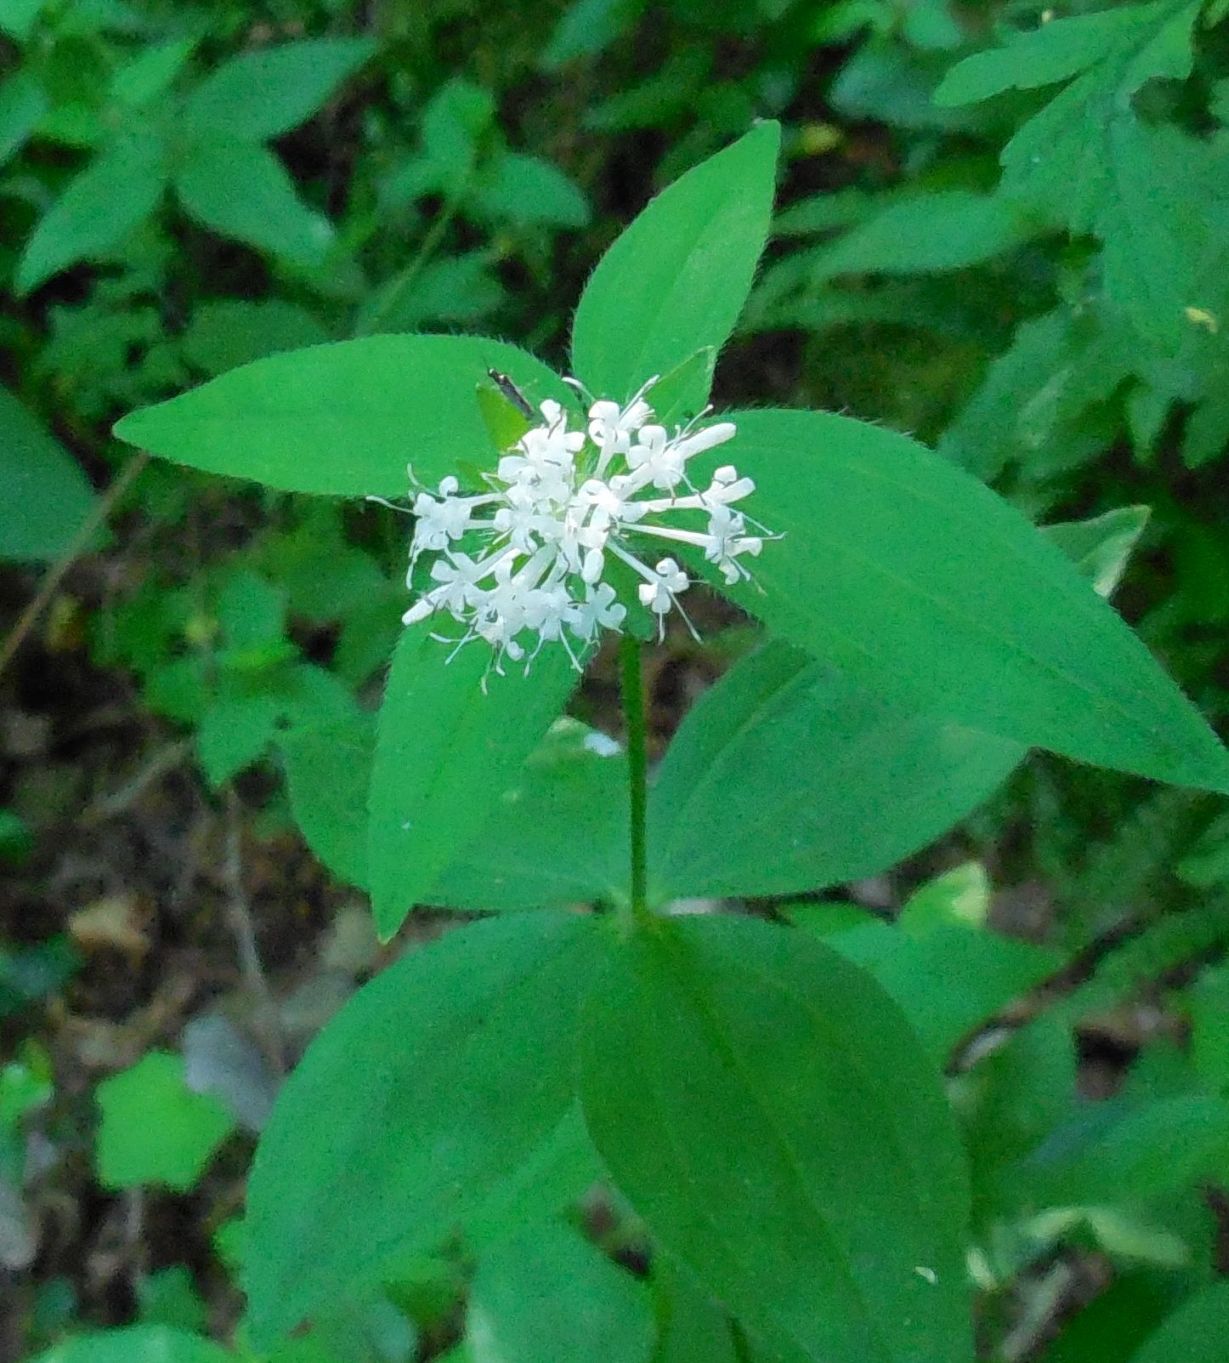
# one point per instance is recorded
(522, 564)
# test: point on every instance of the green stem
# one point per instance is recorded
(397, 290)
(637, 767)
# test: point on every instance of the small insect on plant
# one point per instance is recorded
(769, 1113)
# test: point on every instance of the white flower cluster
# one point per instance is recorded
(526, 557)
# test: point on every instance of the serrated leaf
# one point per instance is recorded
(1054, 51)
(413, 1109)
(116, 192)
(676, 279)
(243, 191)
(47, 496)
(345, 418)
(262, 94)
(767, 1111)
(921, 584)
(446, 750)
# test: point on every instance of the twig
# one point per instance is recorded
(265, 1013)
(166, 759)
(55, 575)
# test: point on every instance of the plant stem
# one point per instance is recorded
(397, 290)
(637, 765)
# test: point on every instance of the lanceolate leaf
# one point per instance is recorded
(413, 1109)
(343, 419)
(446, 750)
(770, 1115)
(677, 278)
(920, 583)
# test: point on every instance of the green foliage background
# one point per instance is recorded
(1003, 228)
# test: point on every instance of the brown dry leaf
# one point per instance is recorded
(116, 922)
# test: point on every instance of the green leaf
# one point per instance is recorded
(1195, 1333)
(22, 104)
(572, 788)
(947, 981)
(943, 230)
(345, 418)
(18, 17)
(154, 1128)
(136, 1344)
(767, 1111)
(586, 28)
(115, 193)
(243, 191)
(786, 776)
(446, 749)
(527, 190)
(328, 771)
(676, 279)
(1064, 157)
(233, 733)
(413, 1109)
(1101, 547)
(693, 1329)
(1054, 51)
(921, 584)
(1106, 1155)
(571, 794)
(549, 1296)
(263, 94)
(228, 332)
(47, 496)
(151, 72)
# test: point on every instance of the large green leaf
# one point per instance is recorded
(547, 1296)
(450, 741)
(556, 836)
(768, 1112)
(676, 279)
(786, 776)
(572, 791)
(47, 496)
(919, 582)
(413, 1109)
(265, 93)
(136, 1344)
(345, 418)
(1195, 1333)
(115, 192)
(243, 191)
